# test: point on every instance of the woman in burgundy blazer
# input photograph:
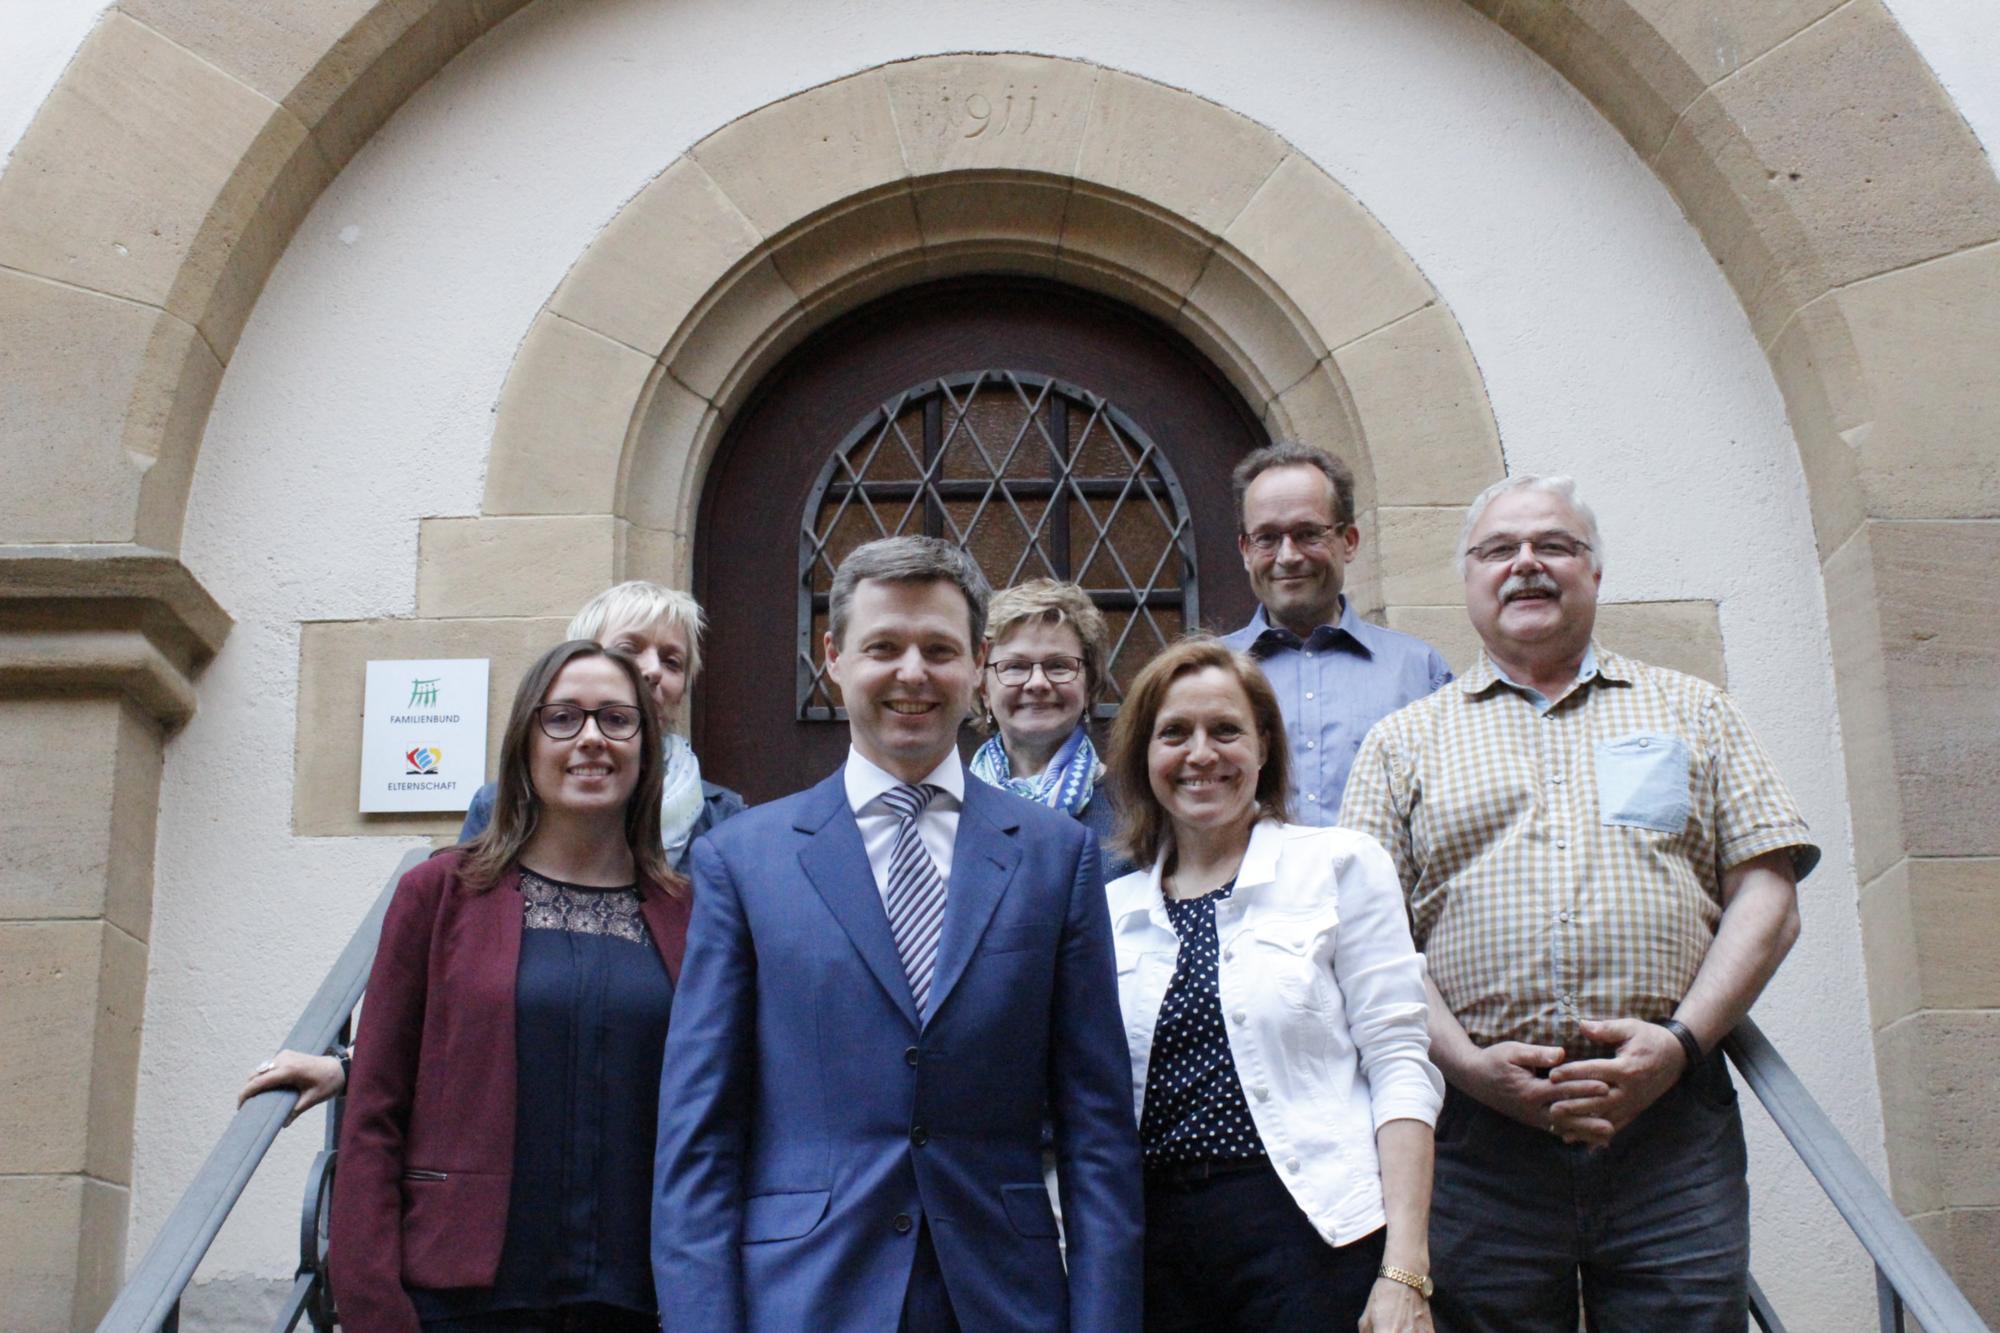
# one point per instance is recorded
(517, 1001)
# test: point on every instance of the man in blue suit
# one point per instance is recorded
(891, 978)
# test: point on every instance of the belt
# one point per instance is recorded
(1206, 1168)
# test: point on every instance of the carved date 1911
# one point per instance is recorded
(981, 115)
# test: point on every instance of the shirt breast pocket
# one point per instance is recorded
(1642, 782)
(1288, 959)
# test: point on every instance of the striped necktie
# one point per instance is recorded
(916, 891)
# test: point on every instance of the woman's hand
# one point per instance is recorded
(315, 1077)
(1395, 1308)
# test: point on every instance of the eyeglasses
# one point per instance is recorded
(1305, 537)
(1552, 546)
(1055, 670)
(615, 722)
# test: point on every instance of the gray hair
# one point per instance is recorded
(637, 602)
(909, 560)
(1289, 453)
(1558, 485)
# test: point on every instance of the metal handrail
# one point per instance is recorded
(150, 1298)
(1907, 1275)
(1761, 1313)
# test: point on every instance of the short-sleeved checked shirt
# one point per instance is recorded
(1563, 859)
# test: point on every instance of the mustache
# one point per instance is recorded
(1533, 581)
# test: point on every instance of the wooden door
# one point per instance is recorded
(1049, 431)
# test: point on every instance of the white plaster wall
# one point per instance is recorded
(37, 39)
(1960, 40)
(361, 399)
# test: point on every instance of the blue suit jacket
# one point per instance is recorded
(810, 1123)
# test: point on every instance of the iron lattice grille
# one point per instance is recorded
(1033, 477)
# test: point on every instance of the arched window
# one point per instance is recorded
(1035, 478)
(1049, 431)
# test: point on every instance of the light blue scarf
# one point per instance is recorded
(1066, 784)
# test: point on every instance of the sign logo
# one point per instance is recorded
(428, 753)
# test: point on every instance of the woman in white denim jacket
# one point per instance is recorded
(1275, 1011)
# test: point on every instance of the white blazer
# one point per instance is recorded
(1323, 997)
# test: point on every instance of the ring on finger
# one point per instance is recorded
(269, 1065)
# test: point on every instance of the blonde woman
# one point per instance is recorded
(1046, 651)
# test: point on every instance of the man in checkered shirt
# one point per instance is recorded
(1601, 868)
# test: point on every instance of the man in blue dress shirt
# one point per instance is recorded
(1336, 675)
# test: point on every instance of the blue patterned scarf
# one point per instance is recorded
(1065, 785)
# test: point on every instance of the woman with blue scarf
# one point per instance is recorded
(1046, 650)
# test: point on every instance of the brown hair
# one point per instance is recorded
(516, 807)
(908, 560)
(1143, 827)
(1051, 603)
(1289, 453)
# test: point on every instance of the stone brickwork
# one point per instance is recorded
(333, 659)
(98, 649)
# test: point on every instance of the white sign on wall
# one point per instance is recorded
(423, 734)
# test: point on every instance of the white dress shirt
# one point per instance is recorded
(937, 825)
(1323, 997)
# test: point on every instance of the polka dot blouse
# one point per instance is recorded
(1194, 1102)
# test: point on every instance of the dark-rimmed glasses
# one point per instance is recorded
(1055, 670)
(615, 722)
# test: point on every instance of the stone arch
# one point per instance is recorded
(623, 388)
(154, 230)
(1828, 173)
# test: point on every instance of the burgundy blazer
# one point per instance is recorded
(427, 1149)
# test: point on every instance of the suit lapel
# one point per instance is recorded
(836, 862)
(983, 858)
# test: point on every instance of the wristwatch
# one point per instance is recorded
(1417, 1282)
(1690, 1044)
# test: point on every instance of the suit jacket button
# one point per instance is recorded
(919, 1135)
(903, 1222)
(910, 1057)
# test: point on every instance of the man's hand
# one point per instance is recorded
(1504, 1077)
(1595, 1099)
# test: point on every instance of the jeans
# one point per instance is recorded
(1653, 1231)
(1235, 1251)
